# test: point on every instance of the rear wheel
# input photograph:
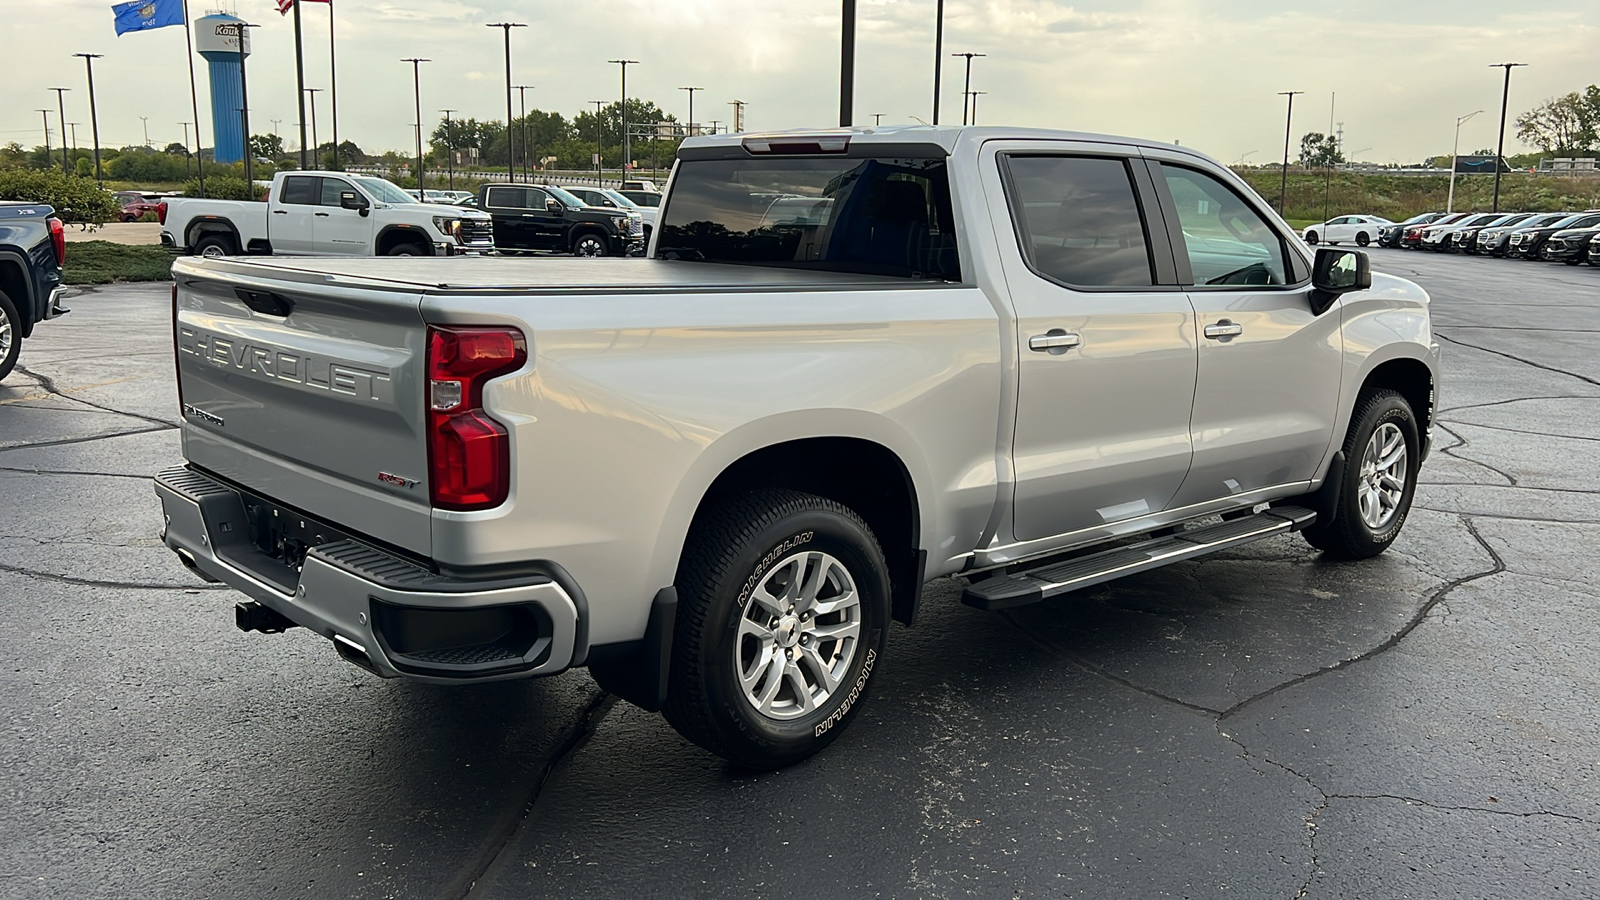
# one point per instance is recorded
(215, 245)
(1381, 459)
(782, 614)
(10, 335)
(1363, 239)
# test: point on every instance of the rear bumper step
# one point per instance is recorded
(384, 613)
(1034, 585)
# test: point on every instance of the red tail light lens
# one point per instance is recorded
(469, 453)
(161, 212)
(58, 239)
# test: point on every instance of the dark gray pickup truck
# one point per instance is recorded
(32, 250)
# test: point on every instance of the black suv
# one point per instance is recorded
(545, 217)
(1570, 246)
(1525, 243)
(33, 246)
(1389, 235)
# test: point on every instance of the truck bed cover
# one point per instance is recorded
(544, 275)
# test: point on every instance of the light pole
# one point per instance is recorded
(94, 118)
(1450, 204)
(511, 149)
(61, 116)
(974, 95)
(416, 86)
(938, 56)
(522, 92)
(847, 64)
(1242, 157)
(449, 147)
(714, 124)
(623, 109)
(146, 121)
(689, 132)
(599, 141)
(186, 155)
(316, 157)
(1288, 123)
(877, 119)
(1500, 152)
(966, 89)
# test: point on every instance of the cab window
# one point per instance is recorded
(1078, 220)
(507, 198)
(332, 188)
(300, 190)
(1227, 242)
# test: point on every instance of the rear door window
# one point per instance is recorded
(1078, 220)
(507, 198)
(301, 190)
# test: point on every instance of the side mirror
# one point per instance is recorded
(353, 200)
(554, 207)
(1337, 272)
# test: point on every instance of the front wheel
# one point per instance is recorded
(782, 614)
(1311, 237)
(589, 245)
(1381, 452)
(1363, 239)
(407, 250)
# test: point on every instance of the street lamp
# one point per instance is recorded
(511, 150)
(94, 118)
(1500, 153)
(623, 109)
(1450, 204)
(974, 95)
(1288, 124)
(316, 159)
(847, 64)
(599, 141)
(1242, 157)
(61, 116)
(416, 85)
(522, 92)
(938, 56)
(449, 147)
(966, 89)
(186, 156)
(689, 132)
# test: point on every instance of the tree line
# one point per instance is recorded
(1567, 126)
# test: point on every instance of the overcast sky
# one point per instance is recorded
(1205, 74)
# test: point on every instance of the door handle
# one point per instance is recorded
(1055, 341)
(1224, 329)
(280, 212)
(321, 215)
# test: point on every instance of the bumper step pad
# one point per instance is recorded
(1034, 585)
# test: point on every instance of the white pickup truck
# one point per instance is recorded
(324, 214)
(856, 360)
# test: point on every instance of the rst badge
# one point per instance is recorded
(387, 478)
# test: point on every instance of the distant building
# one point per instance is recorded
(1478, 165)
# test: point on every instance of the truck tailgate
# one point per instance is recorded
(307, 393)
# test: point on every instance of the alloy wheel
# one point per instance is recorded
(798, 635)
(1383, 476)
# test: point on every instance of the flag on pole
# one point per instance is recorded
(285, 5)
(142, 15)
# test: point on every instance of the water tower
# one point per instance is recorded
(216, 36)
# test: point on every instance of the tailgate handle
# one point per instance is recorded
(266, 302)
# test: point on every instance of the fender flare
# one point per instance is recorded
(407, 231)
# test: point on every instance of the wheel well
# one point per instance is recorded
(200, 229)
(392, 237)
(864, 476)
(1411, 380)
(13, 283)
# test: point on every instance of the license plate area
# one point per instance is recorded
(270, 541)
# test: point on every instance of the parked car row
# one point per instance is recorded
(1569, 237)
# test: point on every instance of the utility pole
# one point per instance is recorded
(1288, 124)
(61, 116)
(623, 110)
(45, 113)
(966, 90)
(522, 91)
(194, 99)
(599, 141)
(714, 124)
(94, 118)
(689, 132)
(300, 86)
(146, 121)
(847, 64)
(416, 83)
(316, 159)
(1455, 148)
(244, 109)
(1500, 153)
(449, 147)
(938, 57)
(333, 95)
(511, 148)
(186, 156)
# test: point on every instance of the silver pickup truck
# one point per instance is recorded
(855, 360)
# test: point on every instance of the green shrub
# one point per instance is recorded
(223, 187)
(77, 200)
(102, 262)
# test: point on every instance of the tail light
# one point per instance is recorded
(161, 212)
(58, 240)
(469, 454)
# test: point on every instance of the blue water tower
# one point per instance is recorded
(217, 38)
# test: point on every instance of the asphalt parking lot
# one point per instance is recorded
(1259, 724)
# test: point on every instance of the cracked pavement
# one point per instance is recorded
(1258, 723)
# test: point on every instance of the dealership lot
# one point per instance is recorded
(1260, 723)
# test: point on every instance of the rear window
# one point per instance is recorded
(869, 216)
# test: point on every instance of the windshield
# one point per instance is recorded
(384, 190)
(870, 216)
(566, 197)
(618, 199)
